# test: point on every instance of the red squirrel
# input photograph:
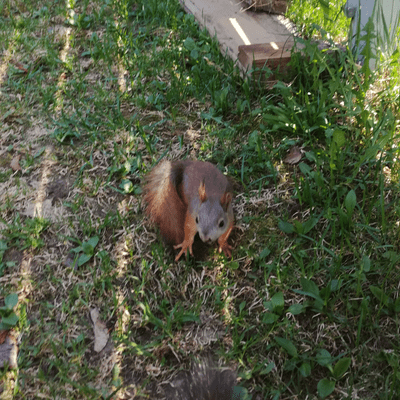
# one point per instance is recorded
(185, 197)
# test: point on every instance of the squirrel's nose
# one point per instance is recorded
(206, 238)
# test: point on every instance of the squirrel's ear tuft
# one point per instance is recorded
(202, 191)
(226, 198)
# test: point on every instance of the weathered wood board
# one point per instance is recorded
(234, 27)
(272, 55)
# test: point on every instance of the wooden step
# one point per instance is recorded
(273, 55)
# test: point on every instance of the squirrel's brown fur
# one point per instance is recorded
(164, 205)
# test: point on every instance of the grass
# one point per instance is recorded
(319, 18)
(93, 94)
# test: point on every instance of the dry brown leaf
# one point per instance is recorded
(3, 335)
(20, 67)
(101, 334)
(294, 156)
(15, 163)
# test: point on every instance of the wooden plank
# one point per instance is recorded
(235, 27)
(271, 6)
(272, 55)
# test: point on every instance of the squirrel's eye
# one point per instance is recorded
(221, 224)
(197, 220)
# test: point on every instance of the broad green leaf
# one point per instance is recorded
(232, 265)
(93, 241)
(88, 249)
(4, 327)
(254, 138)
(190, 318)
(268, 305)
(305, 168)
(3, 245)
(189, 43)
(370, 153)
(310, 288)
(285, 227)
(324, 358)
(137, 190)
(268, 368)
(266, 252)
(380, 294)
(77, 249)
(309, 224)
(240, 393)
(341, 367)
(305, 369)
(391, 255)
(278, 301)
(83, 258)
(298, 227)
(325, 387)
(296, 309)
(310, 155)
(339, 137)
(11, 301)
(325, 7)
(290, 364)
(269, 318)
(335, 284)
(366, 263)
(350, 202)
(287, 345)
(319, 180)
(317, 298)
(194, 54)
(11, 320)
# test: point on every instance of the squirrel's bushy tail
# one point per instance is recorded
(203, 382)
(163, 203)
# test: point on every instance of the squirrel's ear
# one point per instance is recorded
(202, 192)
(226, 198)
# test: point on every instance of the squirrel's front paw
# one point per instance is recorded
(226, 248)
(186, 244)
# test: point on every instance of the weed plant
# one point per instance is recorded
(93, 94)
(319, 18)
